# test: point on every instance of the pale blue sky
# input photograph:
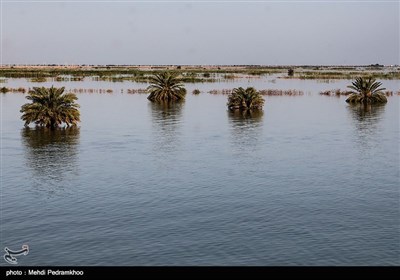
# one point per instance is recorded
(269, 32)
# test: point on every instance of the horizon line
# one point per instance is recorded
(198, 65)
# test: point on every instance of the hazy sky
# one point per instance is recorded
(195, 32)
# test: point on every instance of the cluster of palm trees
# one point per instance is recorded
(51, 107)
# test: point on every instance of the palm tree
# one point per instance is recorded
(166, 87)
(50, 107)
(245, 99)
(366, 91)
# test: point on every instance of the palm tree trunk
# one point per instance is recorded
(367, 97)
(53, 123)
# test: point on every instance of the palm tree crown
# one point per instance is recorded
(245, 99)
(50, 107)
(366, 91)
(166, 87)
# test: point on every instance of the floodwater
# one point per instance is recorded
(310, 181)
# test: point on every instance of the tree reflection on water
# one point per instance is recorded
(52, 155)
(166, 119)
(246, 129)
(366, 118)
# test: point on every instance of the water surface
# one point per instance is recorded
(310, 181)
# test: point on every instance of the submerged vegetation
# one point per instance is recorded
(348, 75)
(194, 73)
(280, 92)
(38, 80)
(50, 107)
(41, 137)
(268, 92)
(166, 87)
(245, 99)
(335, 92)
(5, 90)
(254, 115)
(226, 91)
(137, 90)
(366, 91)
(339, 92)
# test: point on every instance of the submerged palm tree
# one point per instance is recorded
(166, 87)
(50, 107)
(245, 99)
(366, 91)
(196, 91)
